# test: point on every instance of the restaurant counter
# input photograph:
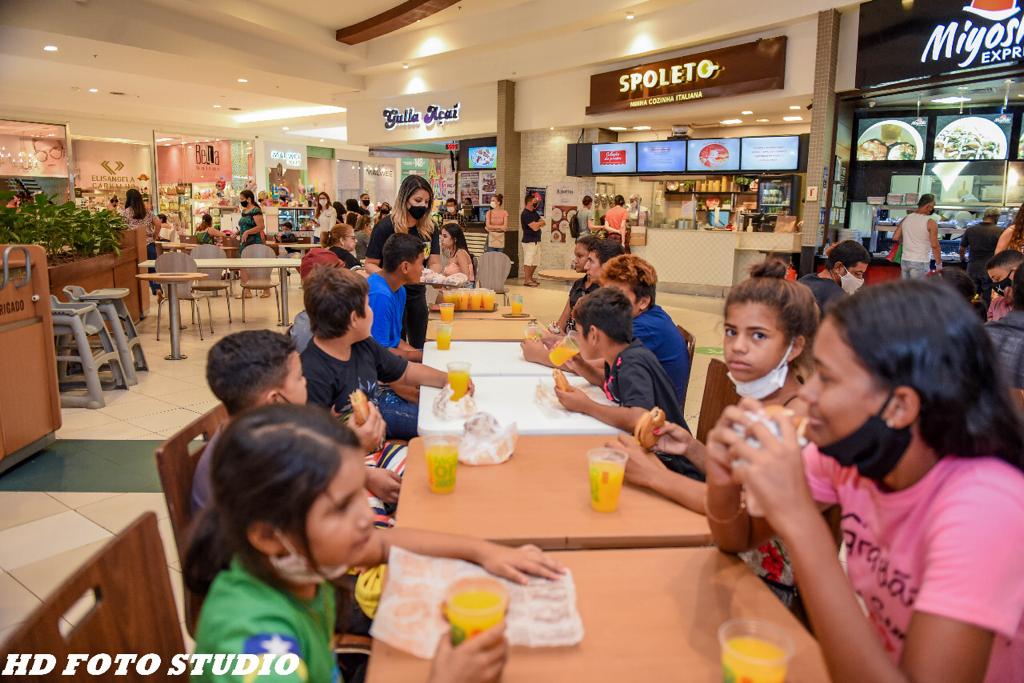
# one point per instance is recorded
(708, 262)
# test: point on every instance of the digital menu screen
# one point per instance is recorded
(483, 157)
(619, 157)
(891, 139)
(703, 156)
(983, 136)
(665, 156)
(781, 153)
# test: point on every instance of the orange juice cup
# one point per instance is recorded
(447, 312)
(458, 379)
(565, 349)
(450, 296)
(488, 300)
(444, 336)
(463, 304)
(517, 304)
(476, 299)
(532, 332)
(754, 650)
(607, 466)
(442, 454)
(474, 605)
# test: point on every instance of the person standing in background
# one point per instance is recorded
(979, 244)
(364, 203)
(585, 216)
(449, 214)
(531, 223)
(1013, 236)
(325, 215)
(496, 223)
(615, 220)
(919, 232)
(139, 218)
(250, 231)
(382, 212)
(362, 229)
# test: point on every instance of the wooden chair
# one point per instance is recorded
(176, 465)
(133, 608)
(719, 393)
(1018, 397)
(691, 342)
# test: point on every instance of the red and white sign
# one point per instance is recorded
(613, 157)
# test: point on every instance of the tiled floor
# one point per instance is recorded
(45, 536)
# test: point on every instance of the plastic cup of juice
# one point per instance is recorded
(458, 379)
(754, 650)
(488, 299)
(532, 332)
(449, 296)
(607, 468)
(566, 348)
(463, 304)
(442, 461)
(476, 299)
(444, 336)
(474, 605)
(447, 312)
(517, 304)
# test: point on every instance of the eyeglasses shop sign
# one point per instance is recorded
(900, 41)
(435, 115)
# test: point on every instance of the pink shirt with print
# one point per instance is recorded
(951, 545)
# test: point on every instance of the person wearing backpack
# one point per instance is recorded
(583, 221)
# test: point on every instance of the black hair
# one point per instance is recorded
(162, 217)
(133, 202)
(1018, 290)
(913, 334)
(401, 247)
(958, 280)
(352, 204)
(1009, 259)
(451, 200)
(458, 237)
(270, 465)
(206, 220)
(589, 242)
(608, 310)
(331, 296)
(352, 218)
(925, 200)
(248, 195)
(620, 200)
(606, 250)
(339, 208)
(288, 225)
(529, 197)
(587, 200)
(242, 365)
(849, 253)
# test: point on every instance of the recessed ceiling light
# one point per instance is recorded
(630, 16)
(792, 118)
(243, 80)
(94, 89)
(216, 106)
(551, 128)
(952, 99)
(641, 127)
(746, 112)
(730, 122)
(405, 65)
(321, 139)
(762, 120)
(624, 128)
(50, 48)
(284, 127)
(795, 107)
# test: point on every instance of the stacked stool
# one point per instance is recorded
(110, 303)
(73, 325)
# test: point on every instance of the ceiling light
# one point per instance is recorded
(94, 89)
(630, 16)
(730, 122)
(792, 118)
(287, 113)
(243, 80)
(284, 127)
(50, 48)
(641, 127)
(952, 99)
(762, 120)
(321, 139)
(216, 106)
(746, 112)
(624, 128)
(405, 65)
(551, 128)
(795, 107)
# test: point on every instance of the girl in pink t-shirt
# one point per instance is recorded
(916, 439)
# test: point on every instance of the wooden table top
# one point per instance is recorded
(648, 615)
(484, 315)
(542, 496)
(495, 329)
(562, 275)
(172, 277)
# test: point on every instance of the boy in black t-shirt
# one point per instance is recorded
(344, 357)
(634, 378)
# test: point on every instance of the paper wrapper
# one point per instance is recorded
(485, 442)
(754, 508)
(548, 400)
(447, 409)
(540, 614)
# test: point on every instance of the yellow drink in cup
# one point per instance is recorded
(607, 469)
(447, 312)
(517, 304)
(442, 461)
(458, 379)
(476, 299)
(463, 304)
(474, 605)
(532, 332)
(444, 336)
(566, 348)
(488, 299)
(754, 650)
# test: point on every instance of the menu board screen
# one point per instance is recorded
(483, 157)
(983, 136)
(619, 157)
(891, 139)
(664, 156)
(721, 154)
(781, 153)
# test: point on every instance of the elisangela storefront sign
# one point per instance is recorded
(434, 115)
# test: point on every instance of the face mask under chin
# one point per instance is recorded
(763, 387)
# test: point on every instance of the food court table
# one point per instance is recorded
(648, 615)
(487, 359)
(188, 246)
(174, 319)
(281, 264)
(560, 275)
(542, 496)
(511, 399)
(500, 329)
(498, 314)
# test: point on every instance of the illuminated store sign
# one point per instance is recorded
(435, 115)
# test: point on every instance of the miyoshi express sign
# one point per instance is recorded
(435, 115)
(992, 36)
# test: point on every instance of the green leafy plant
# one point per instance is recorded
(65, 231)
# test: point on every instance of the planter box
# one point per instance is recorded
(108, 270)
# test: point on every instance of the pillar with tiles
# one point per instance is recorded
(508, 167)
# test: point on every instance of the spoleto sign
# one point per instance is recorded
(435, 115)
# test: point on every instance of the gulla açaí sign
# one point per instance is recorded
(435, 115)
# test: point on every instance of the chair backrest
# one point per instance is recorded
(492, 271)
(719, 393)
(133, 608)
(74, 292)
(176, 262)
(259, 251)
(209, 251)
(1018, 396)
(176, 465)
(691, 342)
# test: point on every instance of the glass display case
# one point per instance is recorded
(777, 196)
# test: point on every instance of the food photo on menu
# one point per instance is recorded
(970, 137)
(713, 155)
(889, 140)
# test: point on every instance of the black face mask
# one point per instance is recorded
(385, 212)
(245, 202)
(366, 202)
(874, 448)
(417, 211)
(1001, 286)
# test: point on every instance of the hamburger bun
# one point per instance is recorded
(360, 407)
(778, 413)
(561, 383)
(645, 426)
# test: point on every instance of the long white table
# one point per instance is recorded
(489, 359)
(512, 399)
(282, 265)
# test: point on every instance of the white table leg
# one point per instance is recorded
(175, 320)
(282, 276)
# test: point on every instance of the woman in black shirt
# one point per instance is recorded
(411, 214)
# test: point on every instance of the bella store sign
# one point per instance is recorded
(750, 67)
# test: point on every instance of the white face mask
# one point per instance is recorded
(323, 202)
(295, 568)
(494, 205)
(763, 387)
(850, 282)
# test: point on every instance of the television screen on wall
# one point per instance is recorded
(483, 157)
(619, 157)
(891, 139)
(778, 153)
(977, 137)
(722, 154)
(664, 156)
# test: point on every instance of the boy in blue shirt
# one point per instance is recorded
(402, 264)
